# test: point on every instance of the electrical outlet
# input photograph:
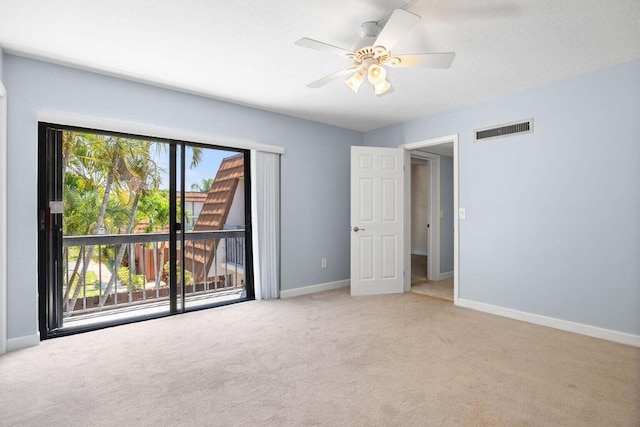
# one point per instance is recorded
(462, 213)
(324, 263)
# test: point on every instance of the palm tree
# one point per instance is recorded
(143, 173)
(114, 159)
(154, 207)
(204, 186)
(102, 164)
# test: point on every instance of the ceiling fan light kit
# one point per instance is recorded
(382, 87)
(377, 76)
(374, 50)
(355, 81)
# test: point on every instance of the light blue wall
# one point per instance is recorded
(553, 217)
(446, 222)
(315, 167)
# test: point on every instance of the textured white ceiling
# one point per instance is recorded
(243, 51)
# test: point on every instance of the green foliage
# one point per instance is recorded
(74, 251)
(137, 280)
(79, 209)
(188, 275)
(204, 186)
(95, 164)
(105, 178)
(91, 287)
(116, 216)
(154, 207)
(91, 278)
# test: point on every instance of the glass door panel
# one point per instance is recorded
(114, 227)
(215, 226)
(133, 227)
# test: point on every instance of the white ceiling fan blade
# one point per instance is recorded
(323, 47)
(425, 60)
(331, 77)
(400, 23)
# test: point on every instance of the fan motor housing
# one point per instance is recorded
(377, 54)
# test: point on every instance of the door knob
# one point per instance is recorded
(356, 229)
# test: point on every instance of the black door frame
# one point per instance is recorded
(50, 271)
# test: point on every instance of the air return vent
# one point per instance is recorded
(506, 129)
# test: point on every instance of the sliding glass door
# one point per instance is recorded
(133, 227)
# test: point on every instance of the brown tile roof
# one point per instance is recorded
(214, 215)
(193, 196)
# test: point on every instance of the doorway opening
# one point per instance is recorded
(432, 218)
(134, 227)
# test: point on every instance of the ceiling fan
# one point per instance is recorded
(373, 52)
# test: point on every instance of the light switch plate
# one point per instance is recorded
(462, 213)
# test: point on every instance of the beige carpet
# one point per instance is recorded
(326, 359)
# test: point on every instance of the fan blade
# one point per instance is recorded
(323, 47)
(425, 60)
(331, 77)
(397, 26)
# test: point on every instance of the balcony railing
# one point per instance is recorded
(107, 272)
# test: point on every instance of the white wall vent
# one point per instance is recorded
(524, 126)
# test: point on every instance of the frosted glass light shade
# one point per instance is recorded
(376, 74)
(382, 87)
(355, 81)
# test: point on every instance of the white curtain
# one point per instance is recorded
(265, 200)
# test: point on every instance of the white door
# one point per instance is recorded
(377, 234)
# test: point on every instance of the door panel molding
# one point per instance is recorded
(377, 222)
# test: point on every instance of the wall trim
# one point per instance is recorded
(146, 130)
(26, 341)
(3, 218)
(552, 322)
(446, 275)
(312, 289)
(453, 138)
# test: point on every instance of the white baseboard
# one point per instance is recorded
(23, 342)
(312, 289)
(552, 322)
(447, 275)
